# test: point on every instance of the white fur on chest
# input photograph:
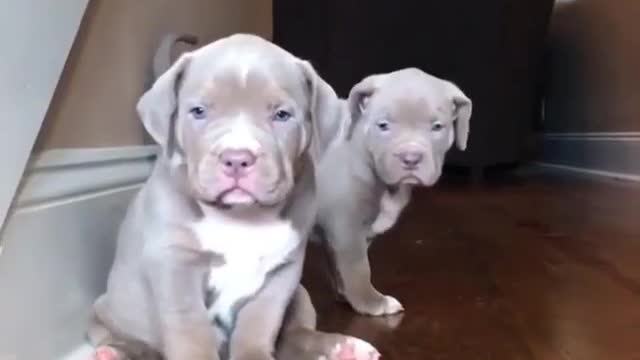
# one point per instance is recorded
(251, 249)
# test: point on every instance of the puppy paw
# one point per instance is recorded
(380, 226)
(382, 305)
(106, 353)
(392, 305)
(352, 349)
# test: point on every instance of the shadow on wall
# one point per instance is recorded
(109, 65)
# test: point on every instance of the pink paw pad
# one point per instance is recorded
(105, 353)
(354, 349)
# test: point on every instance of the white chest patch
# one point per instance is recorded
(251, 249)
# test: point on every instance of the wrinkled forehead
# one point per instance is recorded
(412, 99)
(241, 74)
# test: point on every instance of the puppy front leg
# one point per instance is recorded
(349, 248)
(259, 321)
(391, 205)
(299, 339)
(176, 276)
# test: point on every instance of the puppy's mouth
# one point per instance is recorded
(233, 195)
(410, 180)
(225, 192)
(237, 196)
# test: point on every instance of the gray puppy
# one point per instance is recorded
(402, 125)
(210, 253)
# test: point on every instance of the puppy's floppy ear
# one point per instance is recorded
(327, 113)
(462, 108)
(359, 98)
(157, 107)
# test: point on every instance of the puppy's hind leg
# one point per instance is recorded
(299, 339)
(100, 337)
(109, 347)
(112, 348)
(102, 351)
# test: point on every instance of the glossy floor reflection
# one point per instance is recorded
(535, 268)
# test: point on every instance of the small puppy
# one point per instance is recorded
(402, 124)
(210, 253)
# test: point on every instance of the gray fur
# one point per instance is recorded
(159, 291)
(401, 126)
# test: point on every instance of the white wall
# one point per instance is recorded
(59, 245)
(35, 39)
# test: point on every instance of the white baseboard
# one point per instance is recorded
(64, 174)
(608, 154)
(592, 135)
(591, 172)
(58, 245)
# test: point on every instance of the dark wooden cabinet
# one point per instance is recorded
(492, 49)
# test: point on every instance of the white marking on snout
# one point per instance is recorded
(416, 146)
(240, 136)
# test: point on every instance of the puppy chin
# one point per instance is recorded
(410, 180)
(430, 180)
(237, 197)
(414, 180)
(226, 199)
(240, 197)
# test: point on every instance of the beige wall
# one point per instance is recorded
(94, 104)
(594, 83)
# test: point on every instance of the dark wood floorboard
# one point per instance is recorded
(540, 267)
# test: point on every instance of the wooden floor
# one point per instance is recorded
(538, 267)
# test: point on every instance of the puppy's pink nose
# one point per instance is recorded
(411, 159)
(237, 162)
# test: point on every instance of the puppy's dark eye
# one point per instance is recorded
(437, 126)
(198, 112)
(383, 125)
(282, 116)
